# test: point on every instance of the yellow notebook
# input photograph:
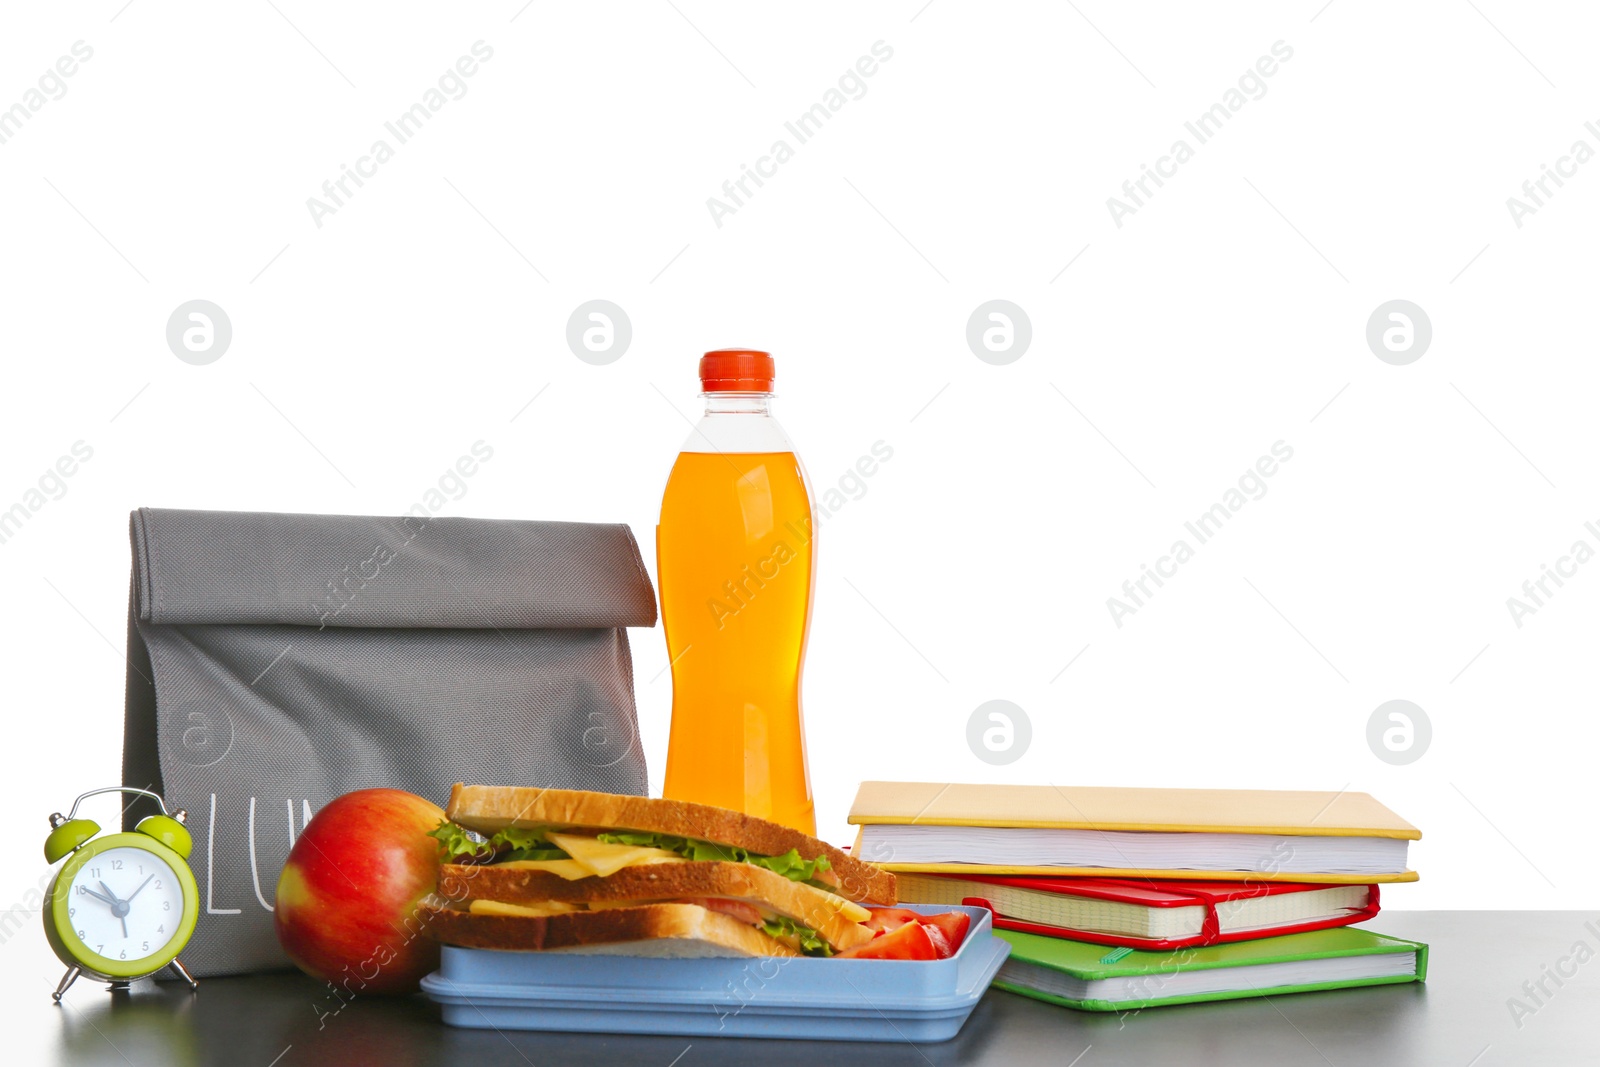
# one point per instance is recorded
(1232, 834)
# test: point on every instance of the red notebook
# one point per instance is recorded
(1154, 915)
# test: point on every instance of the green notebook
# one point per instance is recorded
(1101, 978)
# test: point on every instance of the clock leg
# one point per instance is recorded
(66, 983)
(183, 973)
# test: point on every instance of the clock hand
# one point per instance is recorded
(141, 886)
(119, 907)
(97, 896)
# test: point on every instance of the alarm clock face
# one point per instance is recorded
(125, 904)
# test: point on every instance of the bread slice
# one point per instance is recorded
(463, 883)
(489, 808)
(670, 930)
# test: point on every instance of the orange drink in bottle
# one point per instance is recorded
(734, 555)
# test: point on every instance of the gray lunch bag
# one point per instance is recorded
(278, 661)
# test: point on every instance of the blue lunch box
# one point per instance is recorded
(776, 997)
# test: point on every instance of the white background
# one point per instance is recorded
(1227, 314)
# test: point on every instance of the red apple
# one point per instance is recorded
(347, 908)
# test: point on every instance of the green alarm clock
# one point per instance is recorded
(123, 905)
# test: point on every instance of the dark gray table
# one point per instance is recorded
(1479, 962)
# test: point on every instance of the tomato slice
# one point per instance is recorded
(947, 930)
(909, 941)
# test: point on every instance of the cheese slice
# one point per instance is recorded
(593, 858)
(603, 859)
(849, 909)
(531, 911)
(571, 870)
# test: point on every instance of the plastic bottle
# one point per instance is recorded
(735, 555)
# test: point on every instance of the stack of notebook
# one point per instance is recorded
(1115, 899)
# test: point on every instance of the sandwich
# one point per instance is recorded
(559, 870)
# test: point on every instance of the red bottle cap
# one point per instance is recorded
(736, 370)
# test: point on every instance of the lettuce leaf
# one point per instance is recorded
(514, 844)
(810, 942)
(790, 865)
(460, 845)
